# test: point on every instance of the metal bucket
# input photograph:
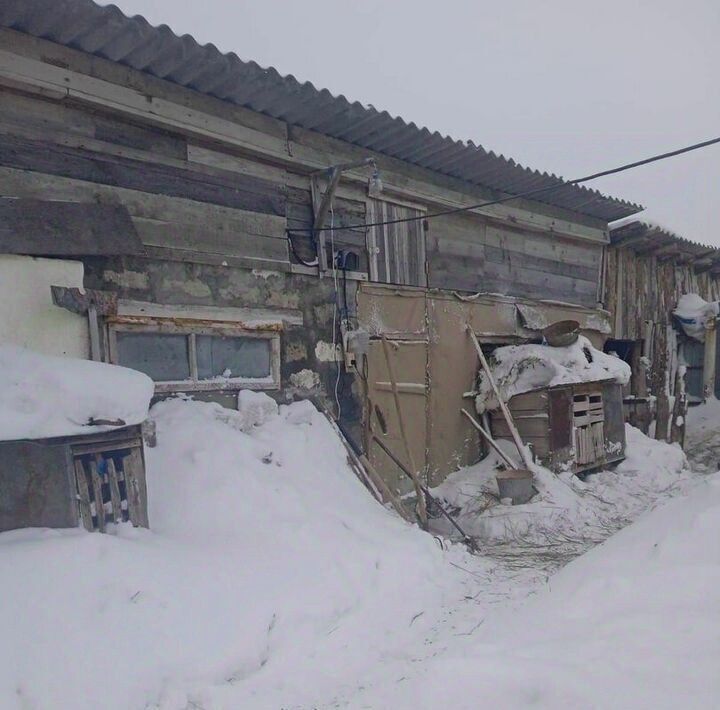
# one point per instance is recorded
(562, 333)
(516, 484)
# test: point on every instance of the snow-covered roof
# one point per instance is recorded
(524, 368)
(42, 396)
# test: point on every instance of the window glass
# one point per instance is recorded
(161, 356)
(226, 356)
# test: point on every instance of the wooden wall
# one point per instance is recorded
(202, 178)
(641, 288)
(53, 151)
(470, 253)
(641, 291)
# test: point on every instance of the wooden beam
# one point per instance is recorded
(503, 406)
(421, 504)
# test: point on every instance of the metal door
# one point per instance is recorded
(409, 363)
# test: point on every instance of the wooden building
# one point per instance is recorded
(191, 185)
(647, 269)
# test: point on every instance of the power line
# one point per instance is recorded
(528, 193)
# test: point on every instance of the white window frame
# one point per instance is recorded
(194, 384)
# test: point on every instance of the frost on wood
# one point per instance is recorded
(523, 368)
(44, 396)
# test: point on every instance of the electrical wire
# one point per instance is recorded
(527, 193)
(314, 262)
(335, 308)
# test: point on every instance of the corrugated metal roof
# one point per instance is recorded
(647, 238)
(106, 32)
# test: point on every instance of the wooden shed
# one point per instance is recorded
(577, 427)
(62, 482)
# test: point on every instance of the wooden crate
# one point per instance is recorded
(577, 427)
(93, 480)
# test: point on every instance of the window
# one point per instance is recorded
(396, 251)
(202, 358)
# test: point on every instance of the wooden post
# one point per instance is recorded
(388, 495)
(114, 490)
(134, 469)
(709, 359)
(94, 328)
(421, 507)
(466, 538)
(97, 493)
(503, 407)
(489, 439)
(679, 414)
(83, 496)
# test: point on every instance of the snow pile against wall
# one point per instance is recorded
(522, 368)
(694, 313)
(271, 578)
(44, 396)
(567, 508)
(631, 624)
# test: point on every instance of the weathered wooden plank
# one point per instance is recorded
(536, 263)
(36, 117)
(453, 247)
(134, 470)
(474, 275)
(241, 192)
(97, 495)
(114, 490)
(141, 104)
(209, 240)
(51, 228)
(544, 245)
(456, 273)
(526, 426)
(199, 155)
(83, 496)
(160, 208)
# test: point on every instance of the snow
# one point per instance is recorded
(44, 396)
(272, 579)
(702, 438)
(523, 368)
(567, 508)
(268, 562)
(631, 624)
(694, 312)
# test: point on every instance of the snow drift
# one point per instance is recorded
(567, 508)
(268, 563)
(44, 396)
(523, 368)
(631, 624)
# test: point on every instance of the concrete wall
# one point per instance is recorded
(28, 317)
(303, 347)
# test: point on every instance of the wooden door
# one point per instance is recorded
(396, 251)
(694, 356)
(409, 363)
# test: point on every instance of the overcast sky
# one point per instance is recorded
(564, 86)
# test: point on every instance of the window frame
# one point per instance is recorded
(194, 384)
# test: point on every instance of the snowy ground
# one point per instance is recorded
(703, 436)
(271, 579)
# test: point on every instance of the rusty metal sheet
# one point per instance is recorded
(392, 310)
(541, 315)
